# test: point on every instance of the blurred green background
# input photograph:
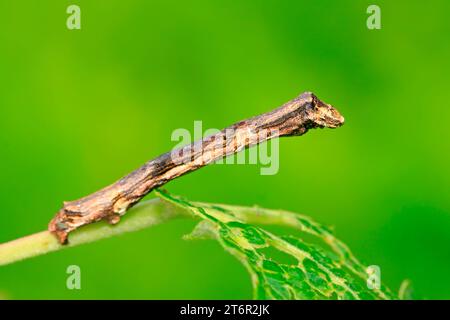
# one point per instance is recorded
(81, 108)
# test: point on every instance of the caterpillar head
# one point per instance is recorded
(320, 114)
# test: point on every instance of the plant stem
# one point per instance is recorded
(144, 215)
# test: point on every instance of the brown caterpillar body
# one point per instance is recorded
(293, 118)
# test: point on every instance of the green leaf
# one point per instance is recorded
(323, 270)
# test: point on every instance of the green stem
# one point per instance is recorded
(146, 214)
(143, 215)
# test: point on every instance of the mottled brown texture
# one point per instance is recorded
(294, 118)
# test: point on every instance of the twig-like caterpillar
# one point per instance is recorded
(294, 118)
